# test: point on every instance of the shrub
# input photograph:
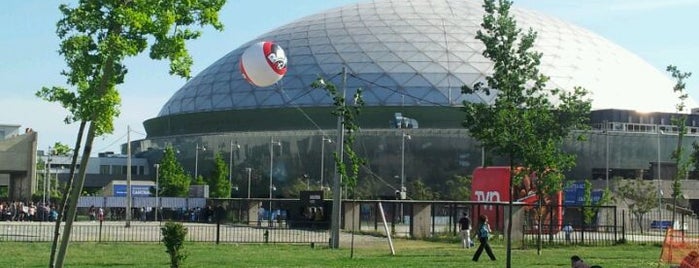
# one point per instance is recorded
(173, 238)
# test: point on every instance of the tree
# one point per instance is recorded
(420, 191)
(348, 116)
(523, 123)
(458, 188)
(294, 187)
(680, 121)
(591, 208)
(218, 182)
(174, 235)
(61, 149)
(639, 195)
(173, 182)
(96, 37)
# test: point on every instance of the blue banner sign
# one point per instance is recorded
(136, 190)
(574, 194)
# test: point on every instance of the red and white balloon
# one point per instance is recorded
(263, 64)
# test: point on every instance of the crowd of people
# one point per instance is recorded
(21, 211)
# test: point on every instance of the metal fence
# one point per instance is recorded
(150, 232)
(297, 221)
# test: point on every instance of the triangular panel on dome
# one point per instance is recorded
(331, 68)
(328, 58)
(387, 66)
(340, 38)
(364, 67)
(402, 67)
(390, 38)
(418, 81)
(428, 67)
(418, 57)
(221, 101)
(417, 38)
(423, 96)
(348, 48)
(187, 104)
(406, 55)
(435, 78)
(468, 78)
(364, 38)
(296, 44)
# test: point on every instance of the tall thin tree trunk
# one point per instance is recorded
(74, 196)
(66, 192)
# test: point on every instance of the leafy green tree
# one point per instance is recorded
(458, 188)
(199, 180)
(96, 37)
(639, 195)
(294, 187)
(420, 191)
(680, 121)
(590, 208)
(173, 181)
(523, 123)
(61, 149)
(218, 182)
(349, 115)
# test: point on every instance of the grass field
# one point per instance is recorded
(409, 253)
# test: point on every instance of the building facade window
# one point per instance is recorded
(104, 169)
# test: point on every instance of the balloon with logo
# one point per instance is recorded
(263, 64)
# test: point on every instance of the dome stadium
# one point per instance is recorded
(410, 58)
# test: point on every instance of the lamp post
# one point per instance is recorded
(606, 156)
(322, 158)
(196, 160)
(402, 166)
(271, 168)
(47, 178)
(235, 146)
(249, 170)
(157, 189)
(660, 191)
(337, 179)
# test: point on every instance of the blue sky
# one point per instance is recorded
(660, 31)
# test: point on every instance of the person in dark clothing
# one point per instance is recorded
(483, 234)
(465, 224)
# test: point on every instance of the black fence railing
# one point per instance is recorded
(150, 232)
(295, 221)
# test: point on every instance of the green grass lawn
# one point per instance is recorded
(409, 253)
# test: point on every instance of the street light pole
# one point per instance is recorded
(230, 166)
(271, 168)
(249, 171)
(606, 157)
(157, 189)
(337, 179)
(660, 191)
(196, 160)
(47, 174)
(402, 166)
(322, 158)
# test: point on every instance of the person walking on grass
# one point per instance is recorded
(483, 234)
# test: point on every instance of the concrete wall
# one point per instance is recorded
(350, 222)
(422, 220)
(18, 159)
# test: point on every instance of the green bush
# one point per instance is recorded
(173, 238)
